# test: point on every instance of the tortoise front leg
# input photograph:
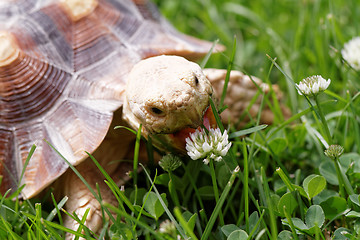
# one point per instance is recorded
(240, 92)
(114, 156)
(80, 198)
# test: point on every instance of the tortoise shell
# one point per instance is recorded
(63, 68)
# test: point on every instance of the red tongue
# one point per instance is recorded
(209, 120)
(179, 137)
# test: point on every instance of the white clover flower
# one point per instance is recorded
(313, 85)
(167, 227)
(212, 145)
(351, 52)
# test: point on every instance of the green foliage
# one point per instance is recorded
(314, 217)
(313, 185)
(285, 235)
(153, 206)
(228, 229)
(238, 235)
(286, 188)
(287, 203)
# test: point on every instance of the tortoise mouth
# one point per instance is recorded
(178, 139)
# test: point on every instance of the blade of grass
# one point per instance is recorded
(246, 185)
(252, 150)
(344, 179)
(275, 102)
(40, 234)
(172, 189)
(101, 206)
(230, 156)
(273, 226)
(8, 229)
(146, 226)
(104, 230)
(216, 115)
(82, 178)
(229, 204)
(298, 195)
(31, 152)
(334, 95)
(121, 198)
(127, 128)
(30, 234)
(207, 56)
(150, 151)
(81, 223)
(178, 227)
(355, 125)
(227, 77)
(292, 226)
(256, 225)
(136, 157)
(219, 205)
(4, 197)
(324, 126)
(112, 185)
(215, 21)
(336, 217)
(19, 188)
(62, 228)
(16, 195)
(285, 179)
(246, 111)
(136, 161)
(197, 194)
(57, 208)
(247, 131)
(215, 188)
(51, 231)
(184, 224)
(75, 170)
(37, 220)
(295, 117)
(143, 205)
(290, 80)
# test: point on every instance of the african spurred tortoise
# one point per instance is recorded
(67, 66)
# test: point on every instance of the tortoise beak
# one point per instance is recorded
(177, 139)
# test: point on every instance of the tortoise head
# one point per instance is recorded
(169, 97)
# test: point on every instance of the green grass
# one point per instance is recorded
(286, 187)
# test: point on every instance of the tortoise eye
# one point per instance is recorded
(156, 110)
(196, 80)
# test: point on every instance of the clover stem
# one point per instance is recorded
(215, 187)
(323, 120)
(344, 180)
(172, 190)
(338, 172)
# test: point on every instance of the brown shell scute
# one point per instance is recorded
(90, 125)
(28, 88)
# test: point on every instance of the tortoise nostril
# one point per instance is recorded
(156, 110)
